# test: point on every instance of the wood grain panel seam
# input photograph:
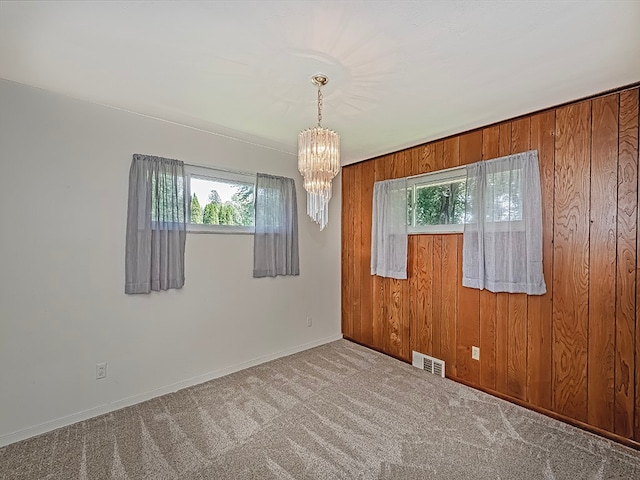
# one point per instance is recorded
(526, 316)
(553, 250)
(615, 312)
(553, 255)
(636, 373)
(588, 260)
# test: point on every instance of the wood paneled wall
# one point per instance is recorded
(574, 352)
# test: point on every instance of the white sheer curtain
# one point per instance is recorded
(156, 225)
(275, 243)
(502, 243)
(389, 229)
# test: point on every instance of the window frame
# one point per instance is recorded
(433, 179)
(215, 174)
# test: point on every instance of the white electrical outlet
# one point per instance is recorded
(309, 321)
(101, 370)
(475, 353)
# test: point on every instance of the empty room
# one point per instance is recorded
(319, 239)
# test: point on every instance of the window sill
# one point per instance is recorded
(223, 229)
(435, 229)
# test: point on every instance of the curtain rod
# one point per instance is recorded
(220, 169)
(460, 166)
(208, 167)
(435, 171)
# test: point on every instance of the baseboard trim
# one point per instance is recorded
(67, 420)
(556, 416)
(549, 413)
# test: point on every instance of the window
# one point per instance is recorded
(436, 201)
(220, 201)
(503, 198)
(502, 242)
(167, 201)
(502, 188)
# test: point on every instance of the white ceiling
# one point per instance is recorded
(401, 72)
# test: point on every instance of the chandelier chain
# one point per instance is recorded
(319, 106)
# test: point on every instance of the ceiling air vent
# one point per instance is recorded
(430, 364)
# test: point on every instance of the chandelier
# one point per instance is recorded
(318, 162)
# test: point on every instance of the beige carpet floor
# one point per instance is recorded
(339, 411)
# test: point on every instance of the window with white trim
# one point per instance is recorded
(436, 201)
(220, 201)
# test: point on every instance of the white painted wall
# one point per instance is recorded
(63, 203)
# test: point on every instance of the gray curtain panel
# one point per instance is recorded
(389, 229)
(156, 225)
(275, 243)
(502, 241)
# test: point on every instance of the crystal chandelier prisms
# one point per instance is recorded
(318, 162)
